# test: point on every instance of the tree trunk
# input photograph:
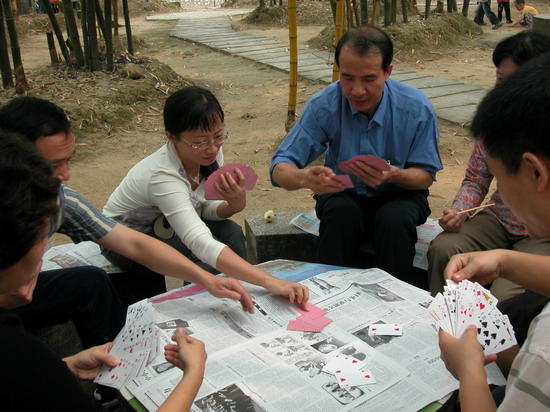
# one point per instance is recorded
(404, 7)
(21, 85)
(387, 12)
(349, 18)
(100, 19)
(92, 35)
(364, 12)
(427, 11)
(108, 35)
(338, 33)
(393, 16)
(356, 12)
(57, 30)
(5, 68)
(465, 5)
(72, 29)
(293, 72)
(126, 12)
(115, 18)
(84, 26)
(51, 47)
(374, 11)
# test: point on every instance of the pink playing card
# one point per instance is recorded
(344, 179)
(210, 192)
(302, 326)
(313, 312)
(319, 322)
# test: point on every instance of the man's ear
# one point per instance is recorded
(539, 169)
(388, 71)
(169, 136)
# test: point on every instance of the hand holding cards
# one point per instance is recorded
(370, 160)
(467, 303)
(210, 192)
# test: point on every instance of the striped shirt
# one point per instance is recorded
(79, 219)
(528, 386)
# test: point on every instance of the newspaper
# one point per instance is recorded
(81, 254)
(255, 364)
(308, 222)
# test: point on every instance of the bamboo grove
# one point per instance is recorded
(86, 48)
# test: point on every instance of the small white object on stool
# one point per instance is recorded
(269, 216)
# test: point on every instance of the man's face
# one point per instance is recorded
(362, 79)
(17, 282)
(57, 149)
(505, 68)
(518, 193)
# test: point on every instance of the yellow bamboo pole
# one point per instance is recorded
(293, 72)
(339, 29)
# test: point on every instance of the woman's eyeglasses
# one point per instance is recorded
(218, 141)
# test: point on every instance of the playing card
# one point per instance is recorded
(339, 363)
(344, 179)
(358, 377)
(385, 329)
(313, 312)
(210, 192)
(302, 326)
(370, 160)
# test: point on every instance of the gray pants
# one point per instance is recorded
(143, 282)
(482, 232)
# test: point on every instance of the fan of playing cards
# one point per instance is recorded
(210, 192)
(466, 303)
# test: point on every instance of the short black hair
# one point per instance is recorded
(33, 117)
(191, 108)
(364, 40)
(520, 1)
(512, 119)
(28, 197)
(521, 47)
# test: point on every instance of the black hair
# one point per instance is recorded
(28, 197)
(521, 47)
(364, 40)
(33, 117)
(512, 119)
(520, 1)
(192, 108)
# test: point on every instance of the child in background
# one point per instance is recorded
(504, 5)
(526, 14)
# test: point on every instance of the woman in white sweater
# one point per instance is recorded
(165, 192)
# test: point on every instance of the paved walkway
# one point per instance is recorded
(453, 101)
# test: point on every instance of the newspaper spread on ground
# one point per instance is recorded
(254, 363)
(308, 222)
(72, 255)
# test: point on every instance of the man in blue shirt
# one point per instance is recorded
(364, 113)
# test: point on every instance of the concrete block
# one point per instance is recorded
(278, 239)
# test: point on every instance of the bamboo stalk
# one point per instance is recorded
(7, 75)
(339, 29)
(293, 72)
